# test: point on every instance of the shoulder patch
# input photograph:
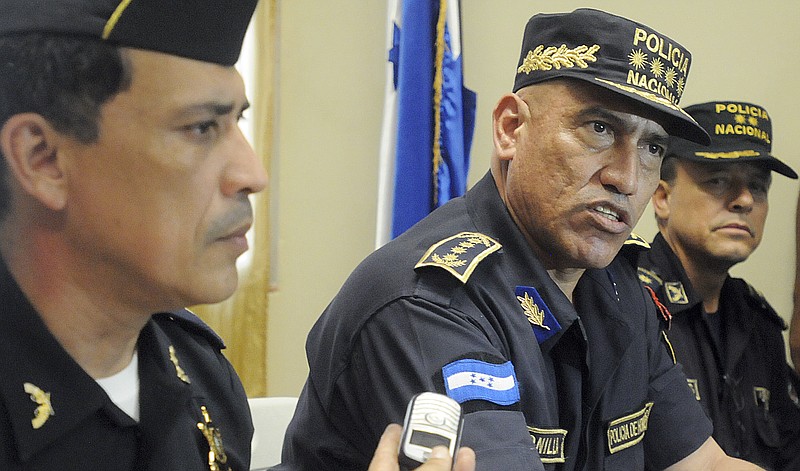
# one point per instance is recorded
(459, 254)
(469, 379)
(189, 320)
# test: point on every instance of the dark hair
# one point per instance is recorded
(64, 79)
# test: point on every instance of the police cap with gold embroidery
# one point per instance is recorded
(740, 132)
(205, 30)
(615, 53)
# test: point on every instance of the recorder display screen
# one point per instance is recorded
(428, 440)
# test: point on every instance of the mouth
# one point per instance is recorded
(608, 213)
(738, 227)
(610, 218)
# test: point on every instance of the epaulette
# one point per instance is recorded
(459, 254)
(631, 248)
(189, 321)
(760, 301)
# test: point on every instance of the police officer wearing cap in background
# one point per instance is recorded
(512, 299)
(711, 206)
(124, 184)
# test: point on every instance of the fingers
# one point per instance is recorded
(465, 460)
(385, 457)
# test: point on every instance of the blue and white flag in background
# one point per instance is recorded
(428, 115)
(469, 379)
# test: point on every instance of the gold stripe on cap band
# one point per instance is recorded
(112, 22)
(728, 155)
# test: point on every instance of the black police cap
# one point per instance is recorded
(205, 30)
(615, 53)
(740, 132)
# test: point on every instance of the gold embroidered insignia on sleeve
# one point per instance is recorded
(549, 443)
(45, 408)
(178, 370)
(217, 459)
(459, 254)
(542, 58)
(627, 431)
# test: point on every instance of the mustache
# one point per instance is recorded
(237, 218)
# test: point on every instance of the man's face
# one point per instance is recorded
(158, 206)
(585, 165)
(715, 212)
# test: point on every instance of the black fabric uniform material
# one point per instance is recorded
(87, 430)
(746, 353)
(391, 329)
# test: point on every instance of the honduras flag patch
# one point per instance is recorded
(467, 380)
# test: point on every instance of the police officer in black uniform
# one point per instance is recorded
(512, 300)
(711, 206)
(125, 183)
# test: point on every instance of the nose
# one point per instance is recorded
(742, 199)
(245, 171)
(620, 174)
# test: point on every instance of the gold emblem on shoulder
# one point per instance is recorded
(675, 292)
(648, 277)
(217, 459)
(459, 254)
(45, 408)
(534, 313)
(635, 239)
(543, 58)
(178, 370)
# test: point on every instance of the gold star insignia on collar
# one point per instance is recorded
(217, 459)
(45, 408)
(534, 313)
(178, 370)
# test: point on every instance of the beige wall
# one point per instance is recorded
(331, 82)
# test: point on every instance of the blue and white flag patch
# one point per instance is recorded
(467, 380)
(542, 320)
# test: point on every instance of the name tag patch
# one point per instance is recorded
(466, 380)
(549, 443)
(627, 431)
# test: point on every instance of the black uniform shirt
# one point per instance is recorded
(600, 393)
(86, 431)
(745, 388)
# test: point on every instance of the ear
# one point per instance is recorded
(29, 144)
(508, 116)
(660, 201)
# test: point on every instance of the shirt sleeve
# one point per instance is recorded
(400, 352)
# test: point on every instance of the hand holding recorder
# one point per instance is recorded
(431, 434)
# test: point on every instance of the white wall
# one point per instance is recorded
(332, 61)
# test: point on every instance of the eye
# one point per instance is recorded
(657, 150)
(599, 127)
(204, 127)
